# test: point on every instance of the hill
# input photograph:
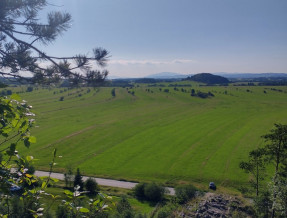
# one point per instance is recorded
(208, 78)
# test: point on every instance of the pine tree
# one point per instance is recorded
(78, 181)
(22, 34)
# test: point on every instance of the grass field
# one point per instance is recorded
(154, 136)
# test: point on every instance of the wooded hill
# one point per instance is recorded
(208, 78)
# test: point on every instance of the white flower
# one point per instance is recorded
(30, 114)
(77, 193)
(40, 209)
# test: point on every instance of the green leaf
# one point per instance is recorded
(67, 192)
(29, 158)
(32, 139)
(96, 202)
(84, 210)
(43, 184)
(14, 122)
(54, 179)
(55, 152)
(23, 124)
(16, 97)
(6, 130)
(26, 142)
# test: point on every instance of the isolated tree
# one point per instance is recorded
(78, 180)
(276, 150)
(69, 177)
(21, 36)
(92, 186)
(255, 166)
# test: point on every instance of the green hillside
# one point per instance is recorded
(166, 136)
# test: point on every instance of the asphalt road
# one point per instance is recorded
(100, 181)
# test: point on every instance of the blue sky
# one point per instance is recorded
(183, 36)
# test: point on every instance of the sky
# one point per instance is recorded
(182, 36)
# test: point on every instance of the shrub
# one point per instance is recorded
(29, 89)
(113, 92)
(124, 208)
(92, 186)
(62, 98)
(9, 92)
(153, 192)
(184, 193)
(139, 190)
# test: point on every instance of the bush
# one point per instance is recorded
(184, 193)
(139, 190)
(29, 89)
(62, 98)
(92, 186)
(154, 192)
(151, 192)
(166, 210)
(124, 207)
(113, 92)
(166, 90)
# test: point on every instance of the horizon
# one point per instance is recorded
(191, 74)
(187, 37)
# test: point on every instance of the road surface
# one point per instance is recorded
(100, 181)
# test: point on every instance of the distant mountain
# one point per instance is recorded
(251, 75)
(208, 78)
(166, 75)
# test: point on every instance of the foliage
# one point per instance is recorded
(166, 211)
(276, 147)
(74, 207)
(92, 186)
(29, 89)
(124, 208)
(274, 200)
(69, 177)
(139, 190)
(21, 191)
(255, 166)
(113, 92)
(22, 34)
(208, 78)
(78, 180)
(154, 192)
(149, 191)
(263, 204)
(184, 193)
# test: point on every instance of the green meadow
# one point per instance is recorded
(153, 135)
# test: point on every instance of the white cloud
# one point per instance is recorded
(149, 62)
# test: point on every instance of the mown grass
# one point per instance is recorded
(155, 136)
